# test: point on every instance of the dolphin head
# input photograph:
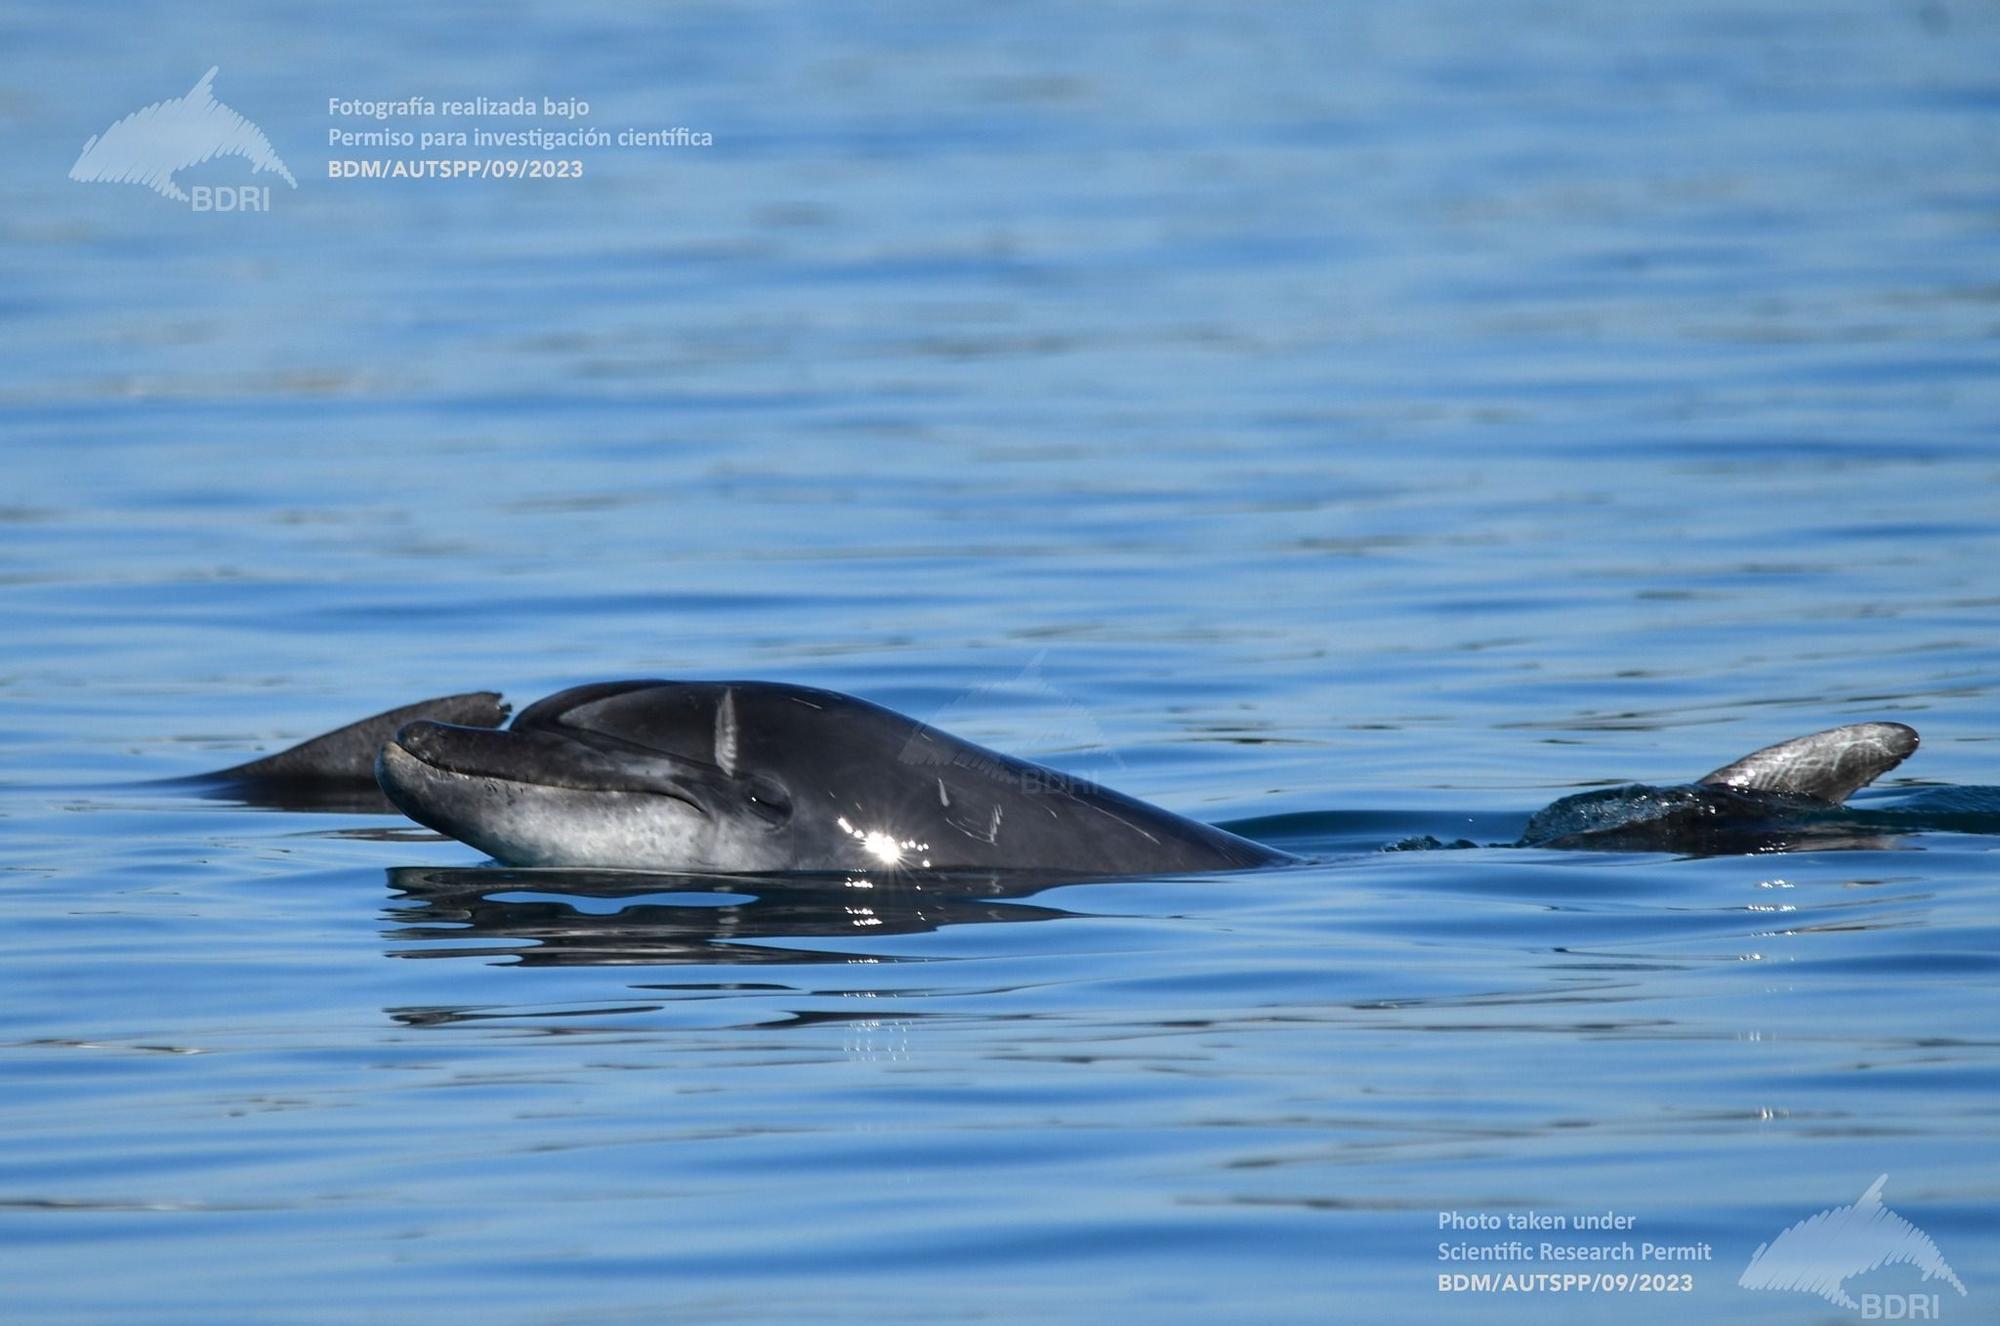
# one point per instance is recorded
(730, 776)
(763, 778)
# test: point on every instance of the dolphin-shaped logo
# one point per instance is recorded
(1065, 724)
(1821, 1253)
(148, 146)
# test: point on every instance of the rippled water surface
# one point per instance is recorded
(1348, 422)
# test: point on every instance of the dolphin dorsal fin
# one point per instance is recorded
(348, 753)
(1829, 766)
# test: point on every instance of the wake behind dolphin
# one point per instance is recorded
(753, 777)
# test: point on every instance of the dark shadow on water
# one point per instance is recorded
(541, 918)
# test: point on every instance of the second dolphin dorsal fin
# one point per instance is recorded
(1828, 766)
(348, 754)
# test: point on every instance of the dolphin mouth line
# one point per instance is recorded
(394, 749)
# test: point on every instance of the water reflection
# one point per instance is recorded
(628, 918)
(308, 798)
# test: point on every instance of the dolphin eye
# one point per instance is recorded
(768, 800)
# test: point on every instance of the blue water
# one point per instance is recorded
(1361, 421)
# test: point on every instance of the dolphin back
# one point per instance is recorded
(1827, 766)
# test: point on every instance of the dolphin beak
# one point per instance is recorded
(537, 759)
(452, 748)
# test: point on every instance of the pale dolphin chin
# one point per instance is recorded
(546, 826)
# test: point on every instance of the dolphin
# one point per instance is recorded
(759, 777)
(750, 777)
(149, 145)
(1782, 795)
(1820, 1254)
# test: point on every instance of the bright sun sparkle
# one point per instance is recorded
(884, 847)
